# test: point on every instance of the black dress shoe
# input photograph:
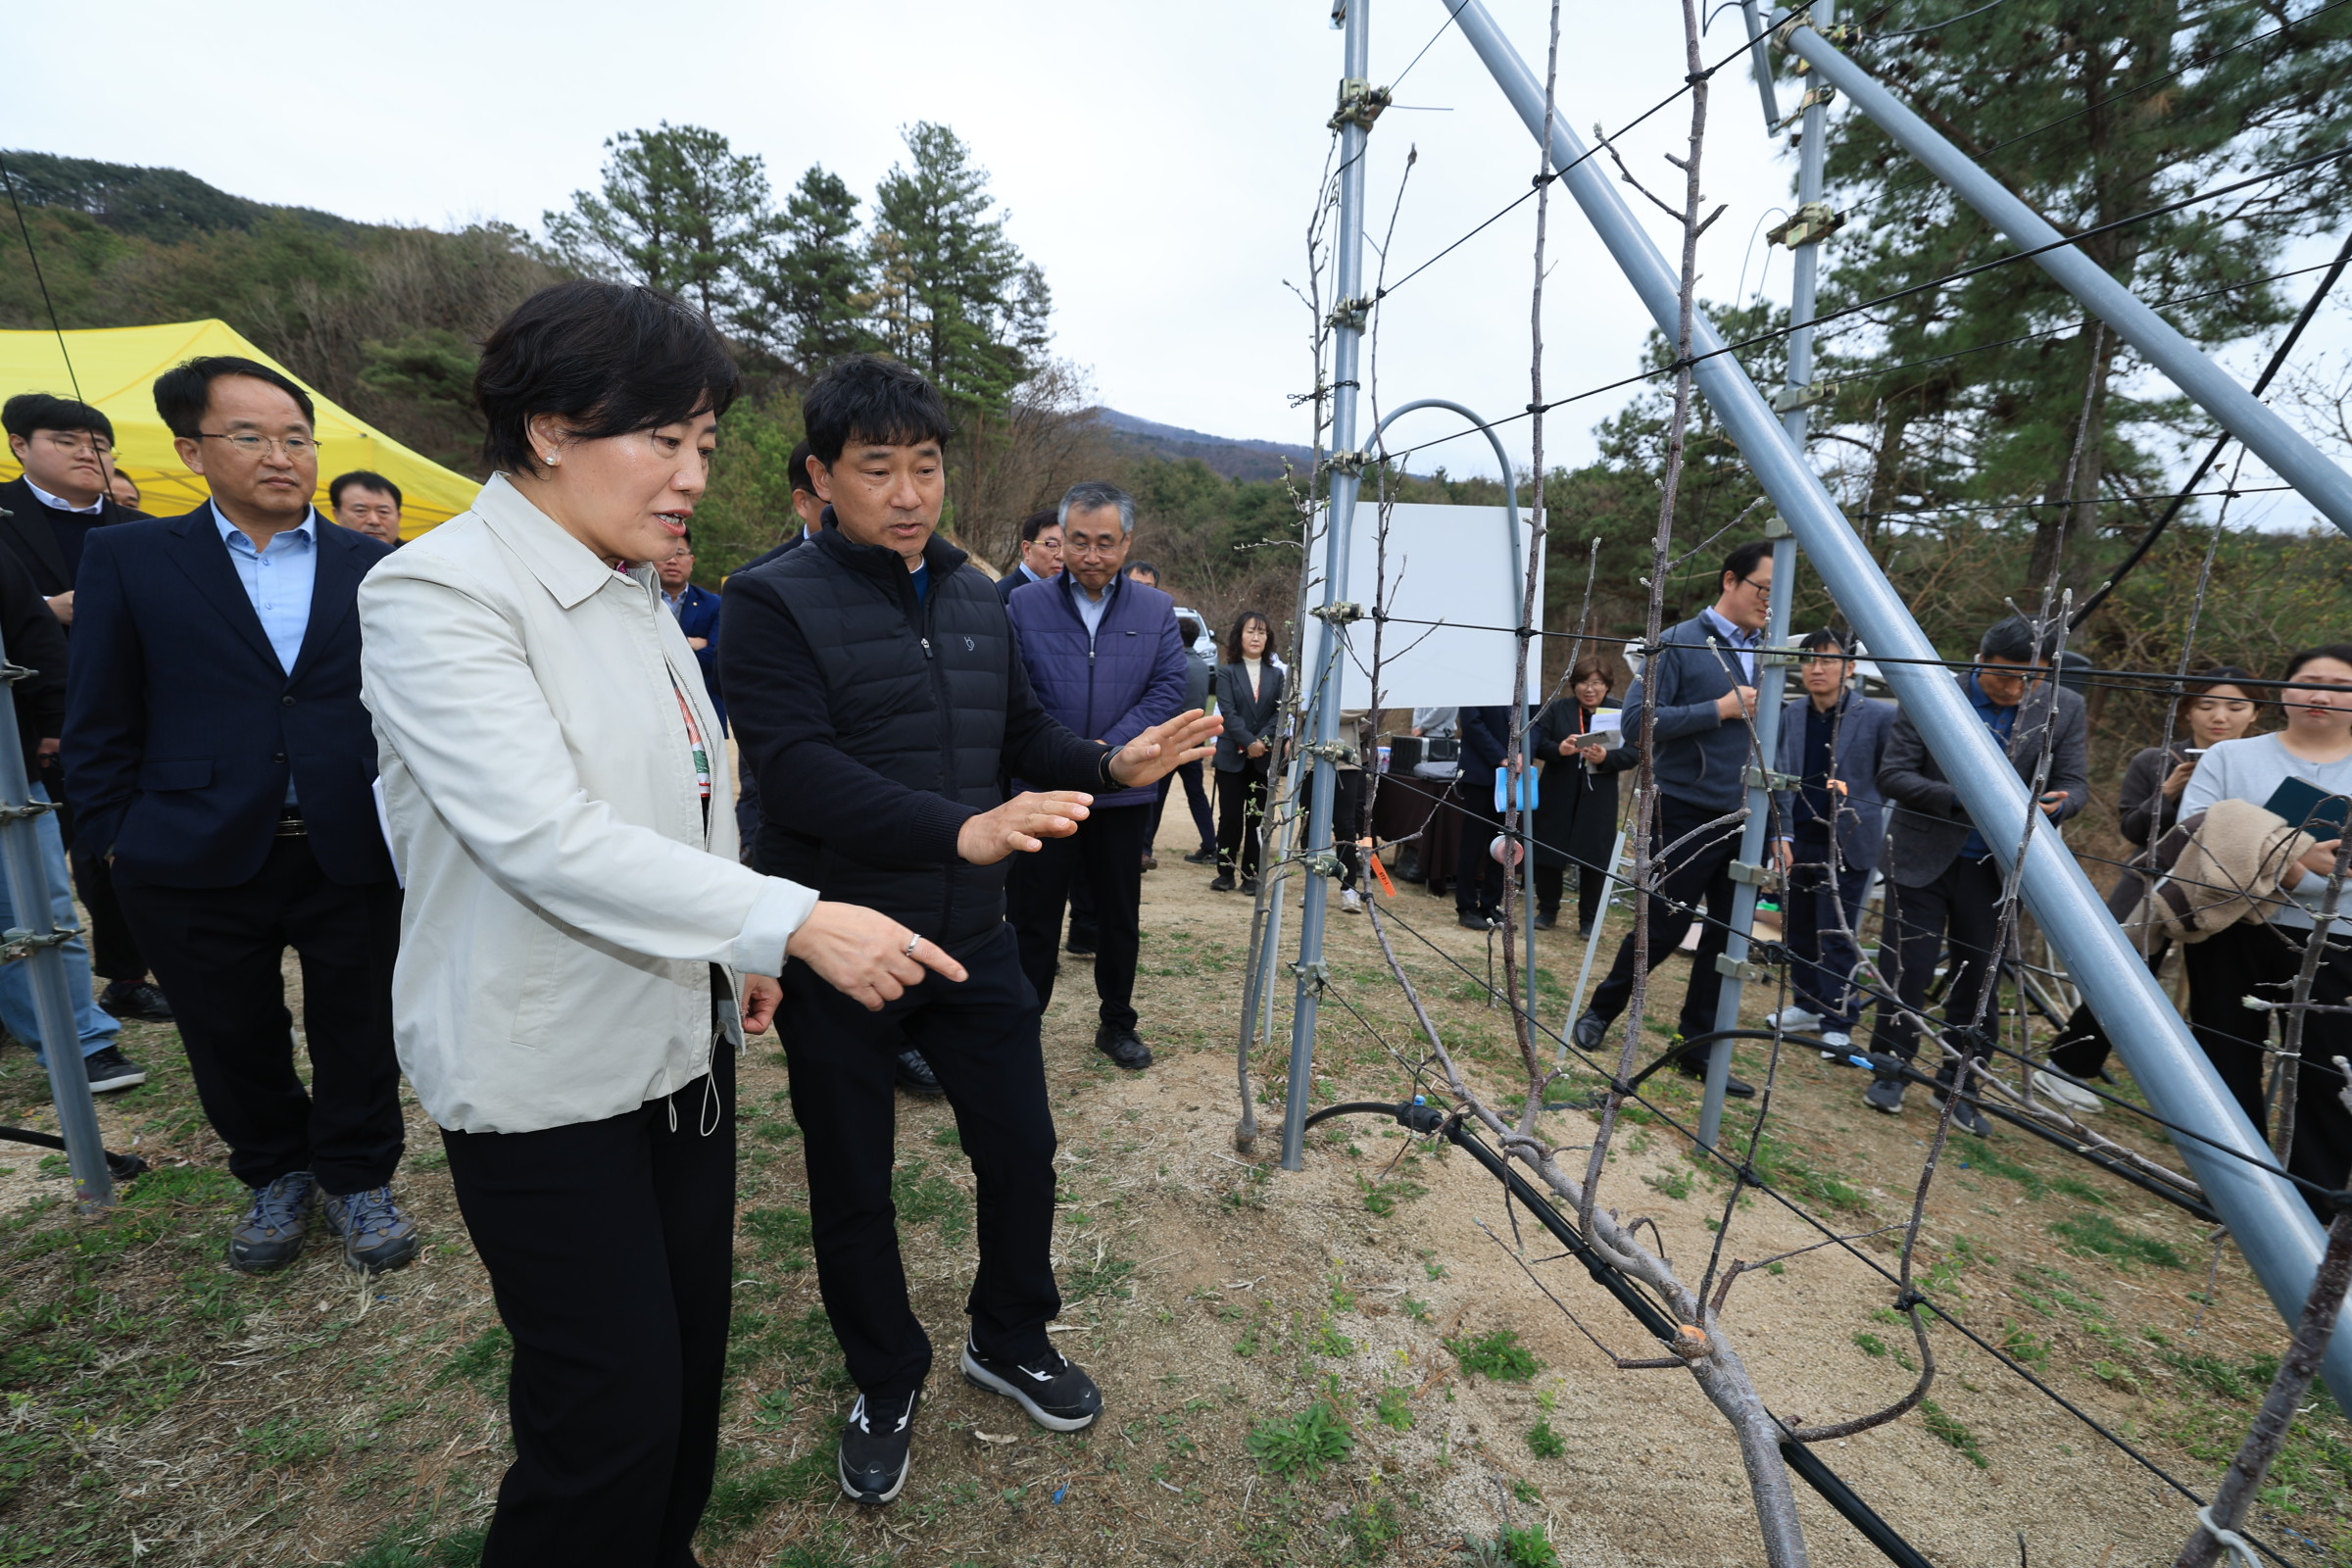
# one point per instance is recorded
(136, 1000)
(1223, 883)
(1472, 920)
(913, 1074)
(1124, 1046)
(1205, 855)
(1696, 1067)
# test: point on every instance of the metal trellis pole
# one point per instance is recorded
(2268, 436)
(1770, 671)
(1348, 319)
(2267, 1217)
(33, 942)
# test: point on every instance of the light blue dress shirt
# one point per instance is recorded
(278, 581)
(1742, 641)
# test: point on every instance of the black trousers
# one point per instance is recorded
(1698, 875)
(1347, 823)
(981, 1039)
(1241, 817)
(1957, 914)
(1477, 877)
(216, 953)
(1106, 856)
(2261, 961)
(1591, 885)
(1196, 799)
(1822, 913)
(611, 1251)
(114, 950)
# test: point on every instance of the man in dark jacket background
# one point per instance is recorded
(876, 691)
(1040, 559)
(1105, 658)
(46, 516)
(1702, 686)
(1943, 884)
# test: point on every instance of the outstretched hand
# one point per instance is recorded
(1189, 737)
(866, 956)
(1021, 825)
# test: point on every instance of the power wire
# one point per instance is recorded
(33, 255)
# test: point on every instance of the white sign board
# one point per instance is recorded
(1451, 564)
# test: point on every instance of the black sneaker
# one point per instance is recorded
(876, 1449)
(109, 1070)
(269, 1235)
(1123, 1046)
(1546, 919)
(1250, 886)
(1206, 855)
(914, 1075)
(1224, 883)
(1056, 1394)
(1472, 920)
(136, 1000)
(1885, 1093)
(377, 1237)
(1589, 1031)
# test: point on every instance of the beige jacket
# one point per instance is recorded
(2215, 869)
(566, 895)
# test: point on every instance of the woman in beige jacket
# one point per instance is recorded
(581, 952)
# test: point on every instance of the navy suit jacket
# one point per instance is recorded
(181, 730)
(698, 616)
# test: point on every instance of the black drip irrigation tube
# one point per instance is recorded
(1419, 1116)
(123, 1166)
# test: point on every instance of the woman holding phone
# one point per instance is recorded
(2217, 705)
(1576, 806)
(2260, 958)
(582, 952)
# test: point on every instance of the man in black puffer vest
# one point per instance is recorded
(877, 695)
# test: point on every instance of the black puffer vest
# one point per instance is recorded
(915, 691)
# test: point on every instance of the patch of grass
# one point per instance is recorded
(1385, 1197)
(286, 1440)
(485, 1361)
(1543, 1443)
(1528, 1548)
(2025, 1346)
(1394, 1409)
(2244, 1383)
(396, 1549)
(1870, 1343)
(1674, 1184)
(808, 1346)
(1499, 1355)
(946, 1137)
(1105, 1276)
(1986, 1155)
(1329, 1341)
(923, 1196)
(744, 1492)
(2099, 1235)
(1416, 1309)
(1305, 1445)
(1946, 1428)
(22, 1453)
(1247, 1346)
(784, 1234)
(1371, 1529)
(1794, 1171)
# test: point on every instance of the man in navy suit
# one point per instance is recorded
(220, 757)
(697, 609)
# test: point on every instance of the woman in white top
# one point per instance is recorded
(581, 952)
(2260, 958)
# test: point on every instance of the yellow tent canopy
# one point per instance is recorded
(116, 366)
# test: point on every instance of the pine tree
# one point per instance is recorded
(957, 300)
(813, 300)
(680, 210)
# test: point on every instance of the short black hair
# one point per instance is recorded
(2019, 641)
(798, 464)
(867, 398)
(28, 411)
(1815, 641)
(183, 392)
(1743, 562)
(360, 479)
(2341, 653)
(1189, 628)
(1038, 522)
(606, 358)
(1135, 566)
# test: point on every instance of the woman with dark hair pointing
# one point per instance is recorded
(581, 951)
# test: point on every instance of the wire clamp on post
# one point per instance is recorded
(11, 673)
(1813, 95)
(1764, 778)
(19, 943)
(1339, 612)
(1747, 872)
(1317, 971)
(1777, 526)
(1360, 104)
(1350, 315)
(1347, 462)
(1793, 397)
(29, 810)
(1339, 754)
(1322, 864)
(1745, 972)
(1810, 224)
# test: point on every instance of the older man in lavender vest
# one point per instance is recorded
(1105, 658)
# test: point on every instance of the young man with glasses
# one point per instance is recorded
(219, 756)
(1943, 883)
(66, 451)
(1701, 688)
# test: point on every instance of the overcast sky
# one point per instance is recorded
(1160, 162)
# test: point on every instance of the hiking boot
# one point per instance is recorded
(378, 1237)
(1589, 1031)
(136, 1000)
(877, 1446)
(269, 1235)
(1056, 1394)
(1124, 1046)
(1885, 1093)
(913, 1074)
(109, 1070)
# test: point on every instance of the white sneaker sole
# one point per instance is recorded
(855, 1495)
(2082, 1101)
(120, 1080)
(981, 1377)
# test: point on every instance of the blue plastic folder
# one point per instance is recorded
(2300, 803)
(1528, 791)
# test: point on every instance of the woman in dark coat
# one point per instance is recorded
(1576, 807)
(1249, 690)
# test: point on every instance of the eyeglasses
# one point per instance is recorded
(1820, 658)
(1763, 589)
(295, 447)
(80, 443)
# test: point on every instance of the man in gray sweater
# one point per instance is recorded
(1701, 683)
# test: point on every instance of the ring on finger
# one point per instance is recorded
(913, 942)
